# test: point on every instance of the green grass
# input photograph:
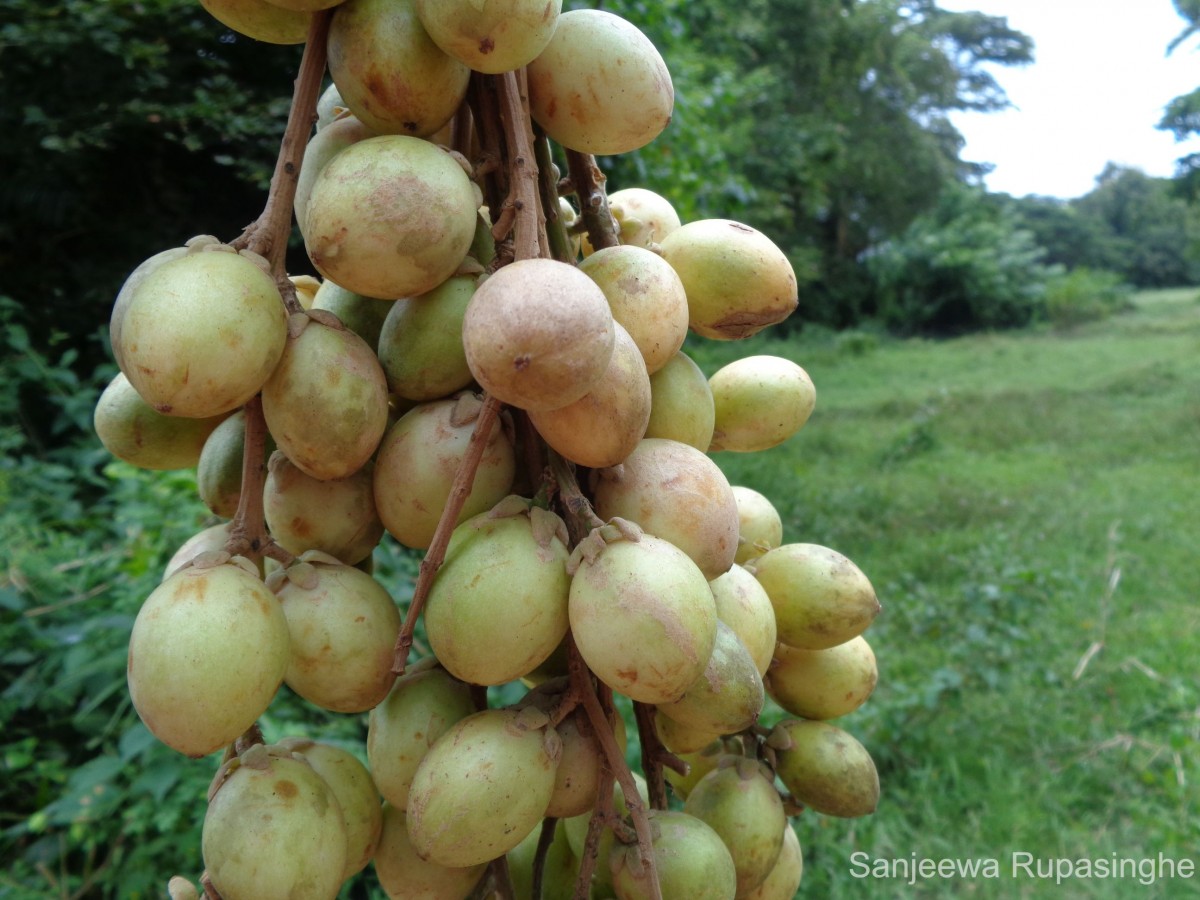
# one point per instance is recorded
(1014, 498)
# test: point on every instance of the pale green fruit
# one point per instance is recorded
(600, 86)
(689, 857)
(728, 695)
(362, 315)
(326, 403)
(643, 217)
(558, 874)
(825, 768)
(759, 526)
(336, 517)
(603, 426)
(493, 36)
(681, 404)
(422, 705)
(418, 460)
(390, 73)
(680, 738)
(212, 538)
(390, 216)
(131, 430)
(760, 402)
(500, 568)
(744, 606)
(306, 5)
(329, 106)
(343, 626)
(784, 879)
(645, 296)
(208, 651)
(202, 333)
(483, 786)
(327, 143)
(219, 471)
(823, 684)
(643, 618)
(420, 343)
(274, 831)
(406, 876)
(675, 492)
(700, 763)
(538, 334)
(306, 287)
(739, 802)
(737, 280)
(260, 20)
(356, 794)
(116, 320)
(821, 598)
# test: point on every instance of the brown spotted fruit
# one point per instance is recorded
(825, 768)
(690, 859)
(404, 875)
(727, 696)
(492, 37)
(823, 684)
(784, 879)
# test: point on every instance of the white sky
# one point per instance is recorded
(1097, 87)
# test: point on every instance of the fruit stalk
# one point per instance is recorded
(655, 756)
(588, 181)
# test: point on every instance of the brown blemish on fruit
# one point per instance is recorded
(286, 789)
(487, 45)
(521, 363)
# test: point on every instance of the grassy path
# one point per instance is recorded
(1015, 499)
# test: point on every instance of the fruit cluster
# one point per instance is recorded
(493, 375)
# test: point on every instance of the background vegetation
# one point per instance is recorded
(1003, 423)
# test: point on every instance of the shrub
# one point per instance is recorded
(1086, 295)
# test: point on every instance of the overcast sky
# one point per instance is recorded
(1097, 87)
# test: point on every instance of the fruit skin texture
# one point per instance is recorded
(390, 73)
(760, 402)
(644, 618)
(405, 876)
(744, 606)
(202, 333)
(691, 860)
(538, 334)
(420, 342)
(826, 768)
(728, 696)
(760, 527)
(737, 280)
(274, 832)
(261, 20)
(784, 879)
(390, 216)
(208, 651)
(482, 787)
(327, 143)
(600, 86)
(493, 36)
(823, 684)
(821, 598)
(741, 805)
(681, 404)
(130, 429)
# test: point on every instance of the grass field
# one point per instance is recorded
(1027, 506)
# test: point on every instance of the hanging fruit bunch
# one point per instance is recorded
(490, 371)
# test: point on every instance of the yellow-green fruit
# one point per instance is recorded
(821, 598)
(600, 86)
(759, 526)
(306, 5)
(690, 859)
(643, 618)
(116, 322)
(208, 651)
(603, 426)
(417, 463)
(274, 831)
(559, 872)
(343, 626)
(737, 280)
(784, 879)
(491, 37)
(390, 73)
(680, 738)
(483, 786)
(362, 315)
(825, 768)
(503, 574)
(538, 334)
(356, 794)
(644, 218)
(327, 143)
(681, 404)
(744, 606)
(645, 296)
(406, 876)
(700, 763)
(728, 695)
(739, 802)
(422, 705)
(131, 430)
(675, 492)
(202, 333)
(219, 471)
(823, 684)
(336, 517)
(420, 343)
(212, 538)
(760, 402)
(326, 402)
(260, 20)
(390, 216)
(306, 287)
